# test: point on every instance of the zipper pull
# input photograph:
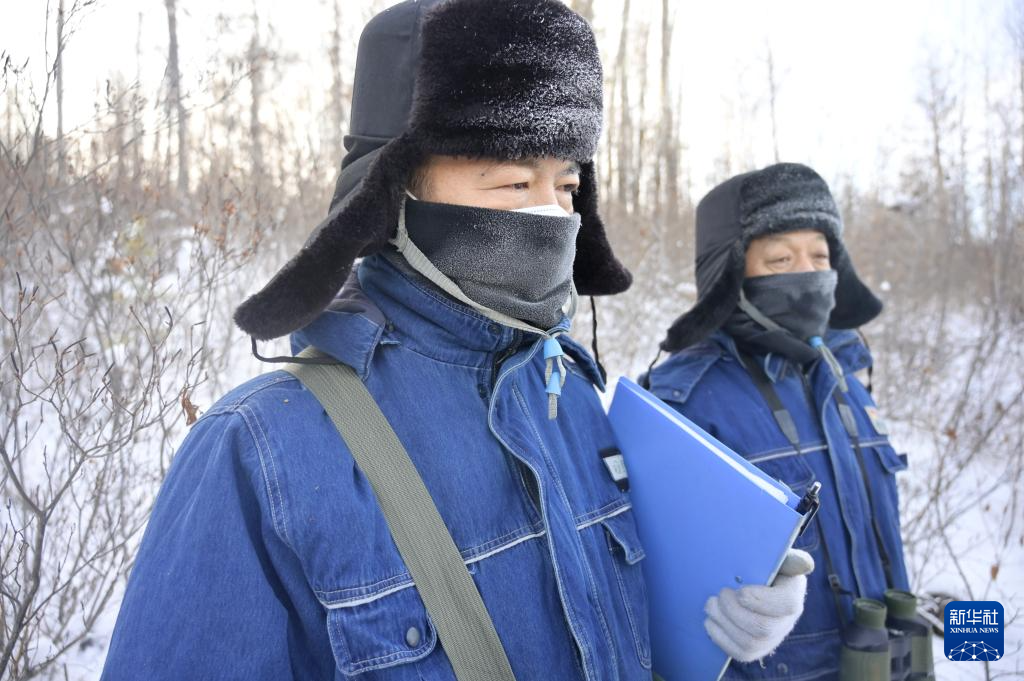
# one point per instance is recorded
(818, 344)
(554, 374)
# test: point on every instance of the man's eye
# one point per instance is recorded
(821, 256)
(519, 186)
(571, 188)
(781, 260)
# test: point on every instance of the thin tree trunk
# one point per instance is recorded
(963, 227)
(175, 97)
(639, 145)
(623, 131)
(939, 108)
(669, 138)
(119, 99)
(1020, 72)
(9, 122)
(137, 126)
(339, 114)
(59, 68)
(989, 171)
(256, 61)
(936, 106)
(772, 94)
(683, 193)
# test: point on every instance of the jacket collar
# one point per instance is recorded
(845, 344)
(676, 377)
(773, 363)
(349, 330)
(382, 305)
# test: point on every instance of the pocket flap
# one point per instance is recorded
(621, 530)
(891, 461)
(384, 632)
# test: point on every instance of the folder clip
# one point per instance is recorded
(809, 505)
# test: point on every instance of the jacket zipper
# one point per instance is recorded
(502, 356)
(524, 473)
(808, 393)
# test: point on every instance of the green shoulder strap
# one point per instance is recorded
(455, 607)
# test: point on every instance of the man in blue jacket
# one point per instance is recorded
(469, 189)
(765, 362)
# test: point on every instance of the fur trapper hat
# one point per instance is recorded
(502, 79)
(784, 197)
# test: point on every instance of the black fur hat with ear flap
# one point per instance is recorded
(506, 79)
(784, 197)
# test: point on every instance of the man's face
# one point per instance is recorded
(501, 185)
(789, 252)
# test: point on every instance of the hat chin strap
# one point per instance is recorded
(554, 368)
(815, 342)
(759, 316)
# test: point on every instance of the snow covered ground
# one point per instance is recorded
(954, 390)
(979, 562)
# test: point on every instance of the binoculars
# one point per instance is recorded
(887, 641)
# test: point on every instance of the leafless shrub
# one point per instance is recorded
(108, 295)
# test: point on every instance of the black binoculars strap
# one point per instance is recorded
(788, 427)
(850, 423)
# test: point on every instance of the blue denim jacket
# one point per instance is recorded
(708, 385)
(267, 557)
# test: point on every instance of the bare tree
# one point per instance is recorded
(256, 57)
(669, 142)
(175, 98)
(939, 104)
(773, 91)
(139, 127)
(623, 125)
(1015, 28)
(339, 96)
(105, 334)
(59, 69)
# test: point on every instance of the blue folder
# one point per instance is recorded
(707, 519)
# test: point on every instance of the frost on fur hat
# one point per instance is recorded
(784, 197)
(502, 79)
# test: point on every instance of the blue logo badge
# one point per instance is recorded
(974, 631)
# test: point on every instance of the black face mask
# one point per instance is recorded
(516, 263)
(781, 312)
(800, 303)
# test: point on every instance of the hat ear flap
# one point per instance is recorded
(596, 270)
(357, 226)
(712, 309)
(856, 305)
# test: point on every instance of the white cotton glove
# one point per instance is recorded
(751, 622)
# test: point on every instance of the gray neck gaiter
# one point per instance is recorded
(518, 264)
(781, 312)
(799, 302)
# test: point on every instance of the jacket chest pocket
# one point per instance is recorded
(619, 551)
(884, 486)
(387, 638)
